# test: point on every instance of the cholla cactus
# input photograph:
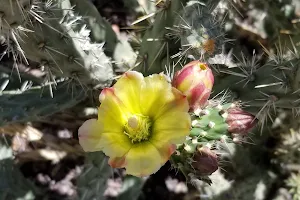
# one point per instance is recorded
(52, 34)
(62, 46)
(142, 121)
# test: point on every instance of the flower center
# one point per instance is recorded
(138, 127)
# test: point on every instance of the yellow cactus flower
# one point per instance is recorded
(140, 121)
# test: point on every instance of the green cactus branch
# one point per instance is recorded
(162, 39)
(51, 34)
(92, 181)
(265, 88)
(37, 102)
(120, 51)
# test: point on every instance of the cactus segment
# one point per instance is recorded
(132, 188)
(210, 125)
(157, 44)
(54, 35)
(37, 102)
(176, 33)
(264, 89)
(120, 51)
(201, 33)
(92, 181)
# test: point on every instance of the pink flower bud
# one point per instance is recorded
(195, 80)
(205, 161)
(240, 121)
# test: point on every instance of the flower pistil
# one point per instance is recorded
(138, 128)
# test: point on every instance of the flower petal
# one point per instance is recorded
(143, 159)
(172, 123)
(171, 127)
(111, 113)
(117, 162)
(115, 144)
(156, 92)
(89, 135)
(166, 137)
(106, 92)
(178, 102)
(128, 90)
(166, 151)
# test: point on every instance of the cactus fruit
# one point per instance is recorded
(239, 121)
(205, 161)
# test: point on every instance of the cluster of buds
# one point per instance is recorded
(211, 121)
(195, 80)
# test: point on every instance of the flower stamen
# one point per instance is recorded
(138, 127)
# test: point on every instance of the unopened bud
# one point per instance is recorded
(205, 161)
(195, 80)
(240, 121)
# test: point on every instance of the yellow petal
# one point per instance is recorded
(166, 151)
(178, 102)
(156, 92)
(111, 113)
(115, 144)
(166, 137)
(171, 127)
(143, 159)
(173, 120)
(89, 135)
(106, 92)
(128, 90)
